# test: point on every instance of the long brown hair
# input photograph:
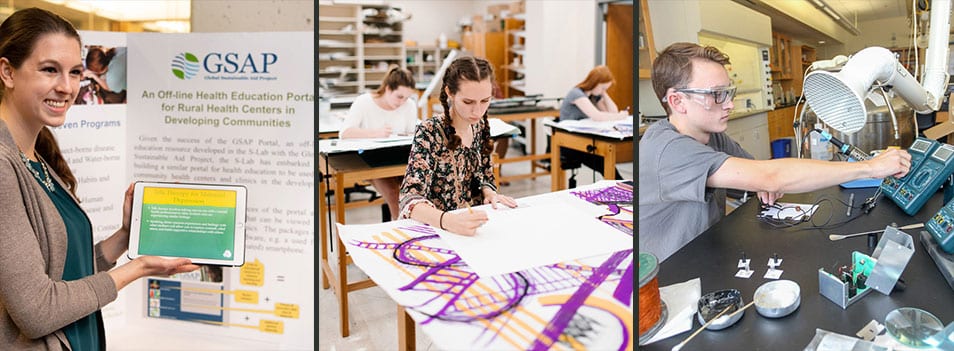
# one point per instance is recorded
(472, 69)
(598, 75)
(395, 78)
(19, 34)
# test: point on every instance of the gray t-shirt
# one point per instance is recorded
(675, 205)
(569, 110)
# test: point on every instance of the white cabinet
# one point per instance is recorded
(751, 132)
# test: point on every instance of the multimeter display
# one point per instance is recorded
(918, 150)
(942, 154)
(922, 146)
(941, 227)
(923, 181)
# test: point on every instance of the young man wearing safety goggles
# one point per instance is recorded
(687, 161)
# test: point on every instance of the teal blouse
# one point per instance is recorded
(85, 333)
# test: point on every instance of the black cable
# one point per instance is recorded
(812, 215)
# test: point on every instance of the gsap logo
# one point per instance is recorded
(230, 65)
(185, 65)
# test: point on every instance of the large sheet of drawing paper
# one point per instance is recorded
(541, 230)
(582, 303)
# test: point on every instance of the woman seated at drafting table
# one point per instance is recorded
(450, 166)
(385, 112)
(589, 99)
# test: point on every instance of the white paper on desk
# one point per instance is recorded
(535, 234)
(601, 128)
(498, 128)
(345, 145)
(681, 300)
(789, 211)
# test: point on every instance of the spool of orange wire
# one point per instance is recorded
(652, 310)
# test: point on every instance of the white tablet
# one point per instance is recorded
(202, 222)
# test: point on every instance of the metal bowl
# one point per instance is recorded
(777, 299)
(711, 304)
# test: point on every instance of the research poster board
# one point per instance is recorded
(93, 142)
(220, 108)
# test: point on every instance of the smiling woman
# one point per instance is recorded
(53, 279)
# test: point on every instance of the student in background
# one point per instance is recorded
(450, 166)
(53, 279)
(380, 114)
(589, 99)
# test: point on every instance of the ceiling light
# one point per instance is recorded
(837, 17)
(132, 10)
(831, 13)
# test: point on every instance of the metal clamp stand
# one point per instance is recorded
(879, 271)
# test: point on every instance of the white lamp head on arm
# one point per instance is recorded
(838, 98)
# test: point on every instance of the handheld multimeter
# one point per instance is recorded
(919, 150)
(924, 181)
(941, 227)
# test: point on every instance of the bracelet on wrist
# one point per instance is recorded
(442, 220)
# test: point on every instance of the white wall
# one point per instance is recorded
(561, 47)
(253, 16)
(430, 18)
(560, 36)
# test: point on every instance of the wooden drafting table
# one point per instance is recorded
(529, 309)
(536, 168)
(614, 148)
(341, 169)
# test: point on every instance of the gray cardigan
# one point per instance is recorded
(35, 302)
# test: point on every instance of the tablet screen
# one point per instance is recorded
(187, 220)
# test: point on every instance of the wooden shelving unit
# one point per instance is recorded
(802, 58)
(424, 61)
(339, 32)
(781, 56)
(490, 46)
(356, 45)
(647, 50)
(514, 49)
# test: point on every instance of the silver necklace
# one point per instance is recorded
(45, 179)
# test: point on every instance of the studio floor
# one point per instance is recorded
(373, 315)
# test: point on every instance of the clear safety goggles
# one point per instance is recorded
(719, 95)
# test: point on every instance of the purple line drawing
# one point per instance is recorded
(559, 322)
(616, 199)
(609, 195)
(456, 294)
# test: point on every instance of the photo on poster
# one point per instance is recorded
(104, 76)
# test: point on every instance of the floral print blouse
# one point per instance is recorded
(446, 179)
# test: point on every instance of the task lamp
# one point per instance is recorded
(838, 98)
(838, 101)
